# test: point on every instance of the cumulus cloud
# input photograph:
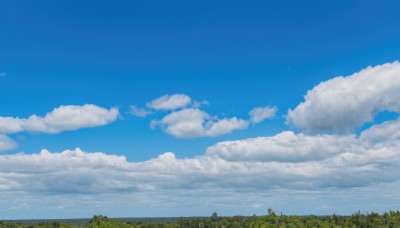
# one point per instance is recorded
(388, 130)
(286, 146)
(344, 103)
(170, 102)
(322, 160)
(259, 114)
(225, 126)
(6, 143)
(139, 112)
(63, 118)
(261, 163)
(288, 162)
(193, 122)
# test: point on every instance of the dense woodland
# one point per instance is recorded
(389, 219)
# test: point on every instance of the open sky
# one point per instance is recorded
(182, 108)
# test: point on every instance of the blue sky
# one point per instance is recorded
(233, 55)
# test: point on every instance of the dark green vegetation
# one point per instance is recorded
(371, 220)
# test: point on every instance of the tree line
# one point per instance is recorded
(389, 219)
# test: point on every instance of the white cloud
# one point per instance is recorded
(170, 102)
(389, 130)
(321, 160)
(344, 103)
(6, 143)
(344, 162)
(225, 126)
(341, 167)
(140, 112)
(198, 104)
(284, 147)
(259, 114)
(11, 124)
(3, 74)
(186, 123)
(63, 118)
(276, 171)
(192, 122)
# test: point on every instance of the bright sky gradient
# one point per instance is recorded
(183, 108)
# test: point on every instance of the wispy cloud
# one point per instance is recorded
(3, 74)
(170, 102)
(139, 112)
(259, 114)
(6, 143)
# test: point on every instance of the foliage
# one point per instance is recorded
(389, 219)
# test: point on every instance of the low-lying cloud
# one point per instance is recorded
(286, 160)
(284, 147)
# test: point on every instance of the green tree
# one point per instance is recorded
(214, 217)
